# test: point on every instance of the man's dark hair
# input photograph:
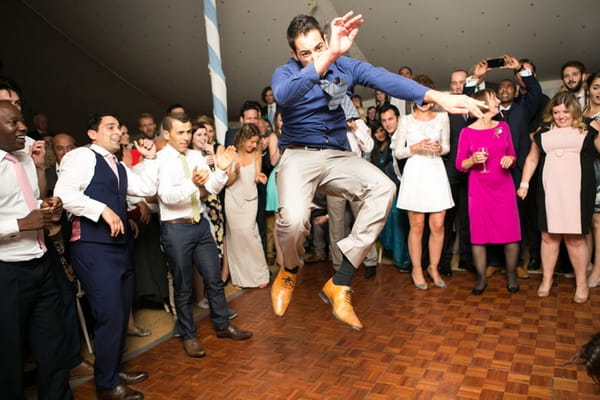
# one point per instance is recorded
(575, 64)
(405, 67)
(8, 84)
(167, 122)
(173, 106)
(387, 107)
(96, 118)
(301, 25)
(250, 105)
(593, 76)
(589, 355)
(264, 92)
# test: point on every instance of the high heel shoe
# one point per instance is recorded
(478, 292)
(440, 283)
(592, 285)
(513, 289)
(544, 292)
(581, 299)
(420, 286)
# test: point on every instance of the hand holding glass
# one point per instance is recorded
(483, 150)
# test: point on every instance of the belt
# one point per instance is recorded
(180, 221)
(309, 148)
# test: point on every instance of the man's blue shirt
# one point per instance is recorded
(307, 120)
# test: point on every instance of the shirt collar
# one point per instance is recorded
(171, 150)
(100, 150)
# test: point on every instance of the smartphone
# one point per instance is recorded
(495, 62)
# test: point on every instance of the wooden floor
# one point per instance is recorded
(438, 344)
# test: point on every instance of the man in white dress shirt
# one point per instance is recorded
(31, 309)
(183, 178)
(93, 186)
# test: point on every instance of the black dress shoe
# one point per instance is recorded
(133, 377)
(234, 333)
(477, 291)
(513, 289)
(121, 392)
(370, 271)
(445, 270)
(533, 264)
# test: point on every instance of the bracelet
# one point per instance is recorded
(524, 185)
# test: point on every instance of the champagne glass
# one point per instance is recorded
(483, 149)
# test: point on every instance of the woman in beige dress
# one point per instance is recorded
(247, 263)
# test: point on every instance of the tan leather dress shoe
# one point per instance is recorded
(522, 273)
(82, 370)
(121, 392)
(340, 298)
(490, 271)
(193, 348)
(281, 291)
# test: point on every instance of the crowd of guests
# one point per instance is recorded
(463, 186)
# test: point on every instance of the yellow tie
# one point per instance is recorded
(188, 174)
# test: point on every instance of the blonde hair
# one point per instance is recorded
(570, 102)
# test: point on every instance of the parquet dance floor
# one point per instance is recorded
(435, 344)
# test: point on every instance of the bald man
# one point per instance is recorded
(61, 145)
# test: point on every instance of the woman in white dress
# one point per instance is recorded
(422, 138)
(247, 262)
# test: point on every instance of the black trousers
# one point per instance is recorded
(31, 311)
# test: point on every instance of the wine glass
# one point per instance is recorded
(483, 149)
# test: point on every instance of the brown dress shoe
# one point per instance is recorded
(121, 392)
(281, 291)
(82, 370)
(133, 377)
(490, 271)
(234, 333)
(341, 302)
(315, 258)
(193, 348)
(522, 273)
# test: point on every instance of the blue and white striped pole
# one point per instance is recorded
(217, 77)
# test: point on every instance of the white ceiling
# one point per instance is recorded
(141, 55)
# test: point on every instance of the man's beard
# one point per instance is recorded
(576, 88)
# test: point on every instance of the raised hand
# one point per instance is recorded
(225, 159)
(510, 62)
(480, 69)
(37, 151)
(146, 147)
(343, 31)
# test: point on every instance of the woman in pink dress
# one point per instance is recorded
(566, 189)
(486, 151)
